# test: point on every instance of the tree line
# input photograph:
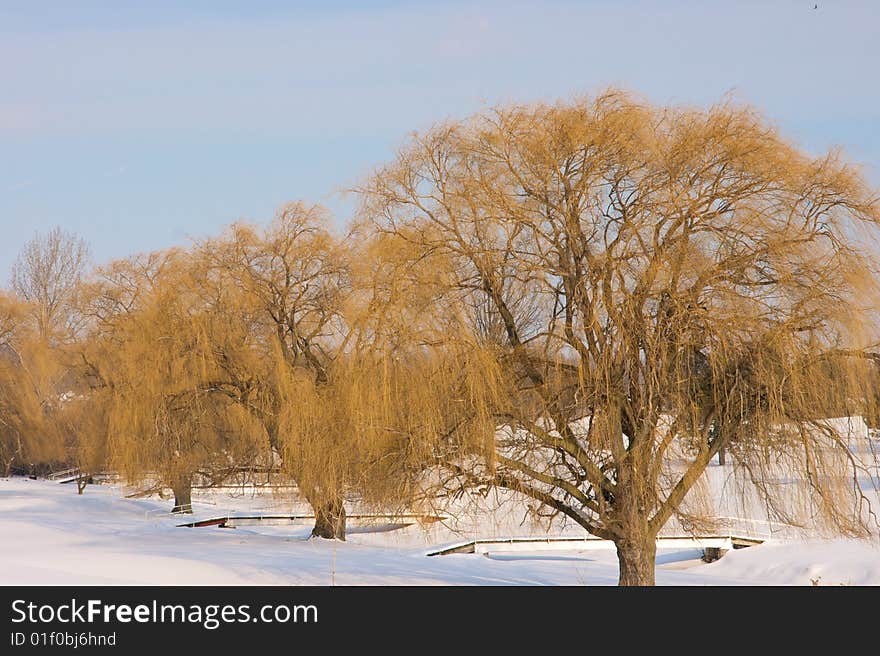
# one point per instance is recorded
(583, 302)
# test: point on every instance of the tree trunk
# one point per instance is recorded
(637, 560)
(330, 520)
(721, 458)
(182, 487)
(636, 543)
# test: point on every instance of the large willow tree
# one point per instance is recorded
(159, 323)
(652, 285)
(314, 375)
(293, 284)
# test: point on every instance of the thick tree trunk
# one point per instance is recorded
(637, 560)
(182, 487)
(636, 542)
(329, 520)
(721, 458)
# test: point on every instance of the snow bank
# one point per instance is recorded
(53, 536)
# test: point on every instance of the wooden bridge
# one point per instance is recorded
(713, 546)
(232, 521)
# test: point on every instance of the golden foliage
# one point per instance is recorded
(638, 265)
(585, 302)
(30, 372)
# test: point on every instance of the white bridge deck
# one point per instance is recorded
(498, 545)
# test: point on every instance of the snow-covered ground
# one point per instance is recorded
(50, 535)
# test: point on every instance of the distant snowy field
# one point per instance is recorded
(52, 536)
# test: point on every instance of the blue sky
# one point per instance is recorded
(138, 125)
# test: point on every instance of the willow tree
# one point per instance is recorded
(153, 358)
(690, 275)
(294, 287)
(37, 326)
(29, 401)
(106, 302)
